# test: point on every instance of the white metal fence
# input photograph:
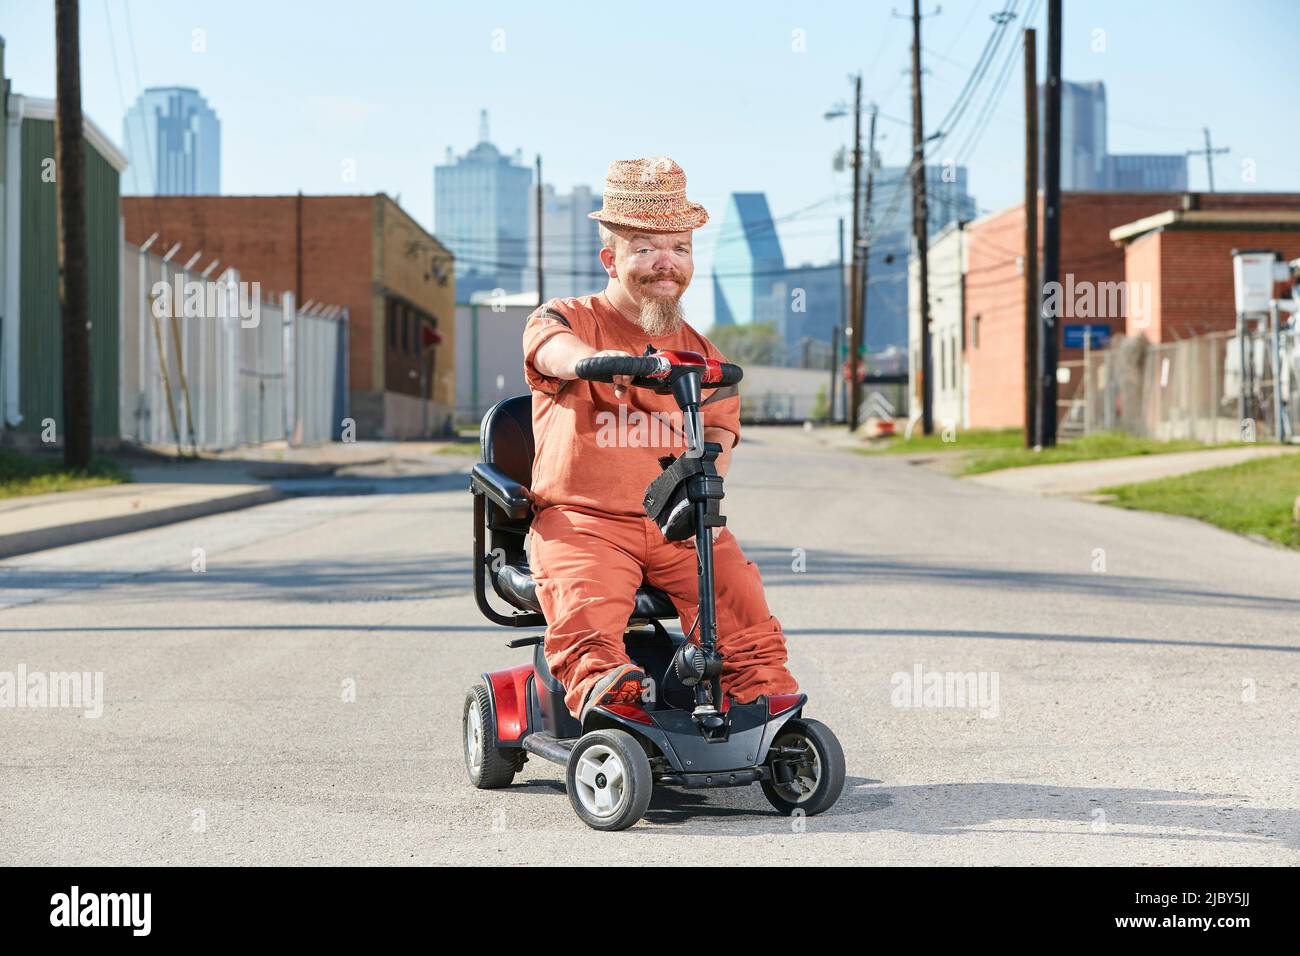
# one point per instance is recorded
(1188, 389)
(212, 364)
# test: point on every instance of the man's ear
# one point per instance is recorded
(607, 260)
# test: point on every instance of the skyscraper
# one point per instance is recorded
(481, 212)
(747, 261)
(811, 300)
(173, 140)
(1146, 172)
(1086, 161)
(1083, 135)
(570, 242)
(947, 201)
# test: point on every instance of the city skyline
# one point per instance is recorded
(360, 130)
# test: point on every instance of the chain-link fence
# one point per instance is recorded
(211, 364)
(1189, 389)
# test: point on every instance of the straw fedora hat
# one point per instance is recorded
(649, 194)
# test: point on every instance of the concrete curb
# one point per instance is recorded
(56, 536)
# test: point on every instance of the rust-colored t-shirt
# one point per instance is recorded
(596, 452)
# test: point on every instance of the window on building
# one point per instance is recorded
(392, 325)
(975, 332)
(406, 330)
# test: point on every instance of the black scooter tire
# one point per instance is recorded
(492, 769)
(830, 761)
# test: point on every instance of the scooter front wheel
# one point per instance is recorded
(808, 768)
(609, 779)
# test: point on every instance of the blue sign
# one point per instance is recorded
(1098, 336)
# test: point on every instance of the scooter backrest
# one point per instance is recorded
(506, 441)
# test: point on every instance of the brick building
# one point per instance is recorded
(1184, 256)
(362, 252)
(1093, 267)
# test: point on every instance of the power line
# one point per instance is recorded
(751, 229)
(999, 87)
(964, 98)
(491, 265)
(955, 113)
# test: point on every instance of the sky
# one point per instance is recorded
(360, 98)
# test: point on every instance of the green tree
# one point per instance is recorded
(756, 343)
(821, 405)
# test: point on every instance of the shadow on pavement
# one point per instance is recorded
(836, 567)
(958, 808)
(309, 581)
(944, 809)
(1033, 636)
(363, 484)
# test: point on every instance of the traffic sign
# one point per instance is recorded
(1097, 336)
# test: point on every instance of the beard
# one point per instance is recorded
(662, 314)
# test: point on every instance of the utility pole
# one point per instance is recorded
(1033, 291)
(541, 295)
(1209, 153)
(855, 270)
(860, 317)
(70, 172)
(837, 334)
(920, 215)
(1048, 331)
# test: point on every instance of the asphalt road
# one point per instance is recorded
(1146, 708)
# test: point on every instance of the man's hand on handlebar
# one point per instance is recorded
(621, 382)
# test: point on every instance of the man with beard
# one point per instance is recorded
(591, 543)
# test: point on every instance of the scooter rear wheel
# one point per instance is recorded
(818, 776)
(487, 766)
(609, 779)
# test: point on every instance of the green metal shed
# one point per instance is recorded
(30, 324)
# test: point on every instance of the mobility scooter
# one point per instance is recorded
(683, 732)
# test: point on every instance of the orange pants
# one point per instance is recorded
(588, 565)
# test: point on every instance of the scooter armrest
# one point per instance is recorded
(503, 491)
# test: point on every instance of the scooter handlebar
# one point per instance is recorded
(603, 368)
(731, 374)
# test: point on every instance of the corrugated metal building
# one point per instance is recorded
(30, 321)
(364, 253)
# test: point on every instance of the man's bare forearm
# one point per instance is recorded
(559, 355)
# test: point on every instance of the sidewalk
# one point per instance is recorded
(1084, 477)
(38, 522)
(278, 460)
(165, 491)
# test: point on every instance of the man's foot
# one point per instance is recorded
(622, 685)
